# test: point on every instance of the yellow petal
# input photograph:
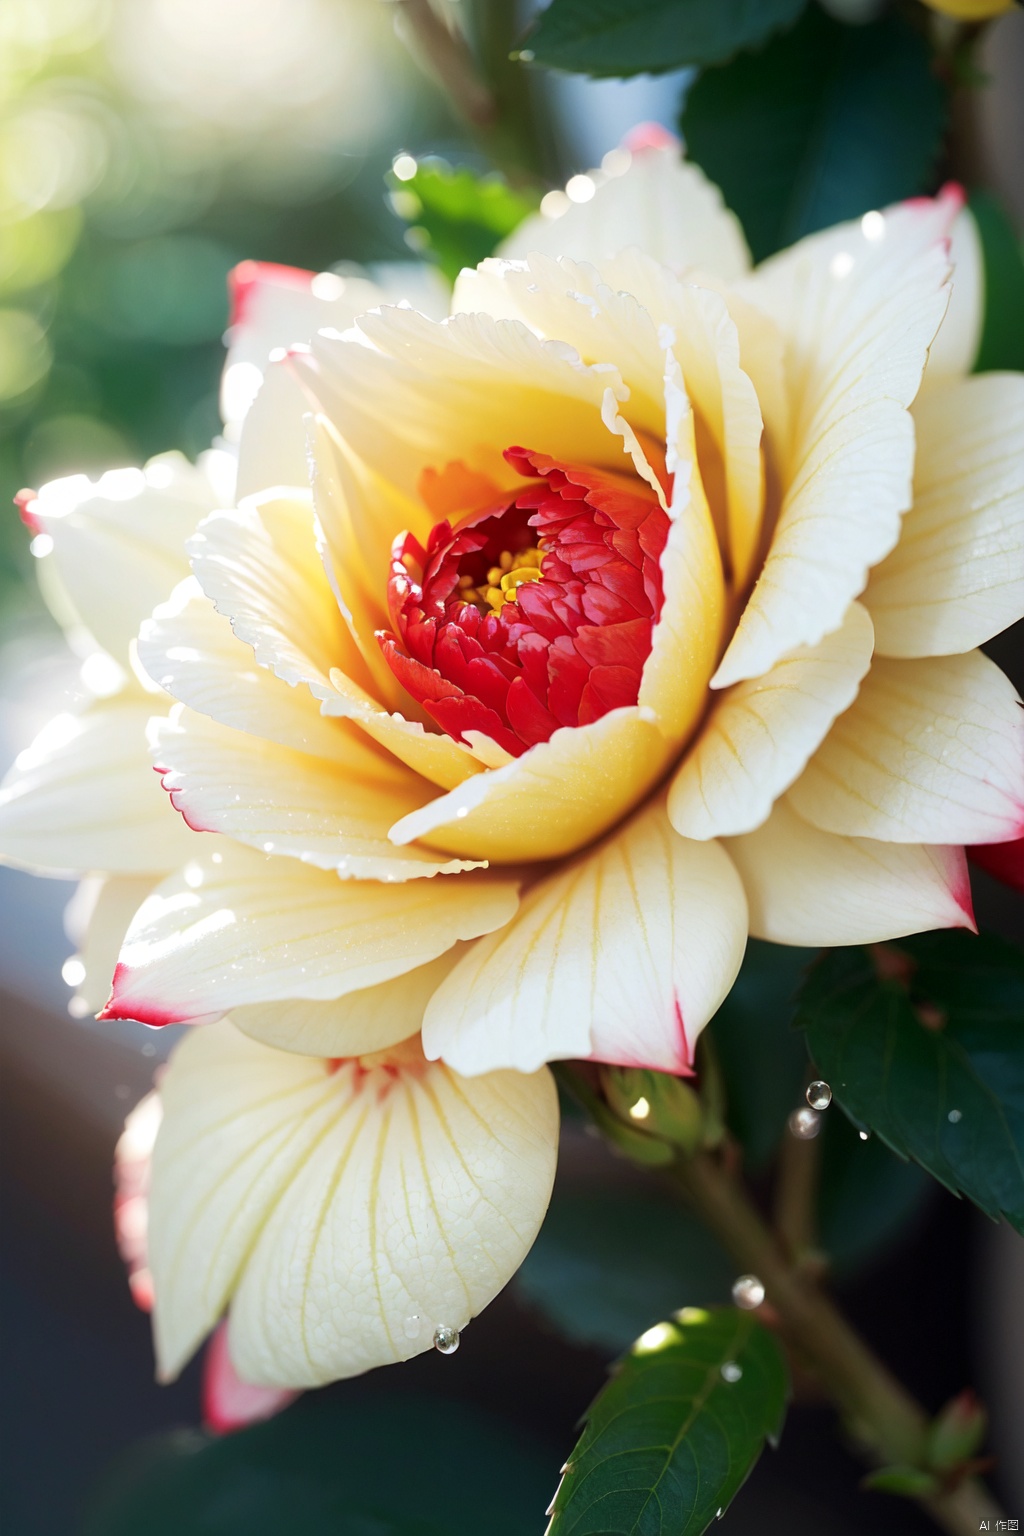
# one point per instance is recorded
(84, 798)
(440, 759)
(622, 956)
(760, 734)
(368, 1020)
(332, 812)
(956, 578)
(236, 927)
(810, 887)
(558, 796)
(661, 204)
(343, 1215)
(858, 307)
(931, 751)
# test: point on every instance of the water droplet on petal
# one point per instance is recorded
(748, 1292)
(446, 1340)
(412, 1326)
(819, 1094)
(731, 1371)
(804, 1124)
(954, 1116)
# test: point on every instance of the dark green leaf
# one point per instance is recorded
(671, 1438)
(761, 1058)
(607, 37)
(824, 123)
(334, 1465)
(923, 1043)
(606, 1266)
(868, 1197)
(1002, 336)
(459, 217)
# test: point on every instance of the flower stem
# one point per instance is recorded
(890, 1425)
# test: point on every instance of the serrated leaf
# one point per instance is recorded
(823, 124)
(761, 1059)
(672, 1437)
(340, 1462)
(608, 38)
(461, 216)
(605, 1266)
(1002, 335)
(923, 1043)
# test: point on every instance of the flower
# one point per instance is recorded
(631, 609)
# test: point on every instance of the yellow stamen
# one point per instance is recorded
(512, 571)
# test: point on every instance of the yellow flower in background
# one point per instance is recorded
(550, 649)
(971, 10)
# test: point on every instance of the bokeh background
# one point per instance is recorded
(146, 146)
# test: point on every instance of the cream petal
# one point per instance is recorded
(369, 1020)
(760, 734)
(83, 798)
(955, 347)
(343, 1214)
(332, 812)
(261, 568)
(622, 956)
(272, 434)
(236, 927)
(119, 543)
(809, 887)
(931, 750)
(956, 578)
(559, 795)
(858, 311)
(191, 651)
(662, 204)
(112, 904)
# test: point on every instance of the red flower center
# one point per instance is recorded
(533, 613)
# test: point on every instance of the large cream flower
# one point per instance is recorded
(633, 608)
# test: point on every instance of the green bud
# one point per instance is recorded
(912, 1482)
(956, 1434)
(655, 1103)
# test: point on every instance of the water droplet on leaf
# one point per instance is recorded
(731, 1371)
(954, 1116)
(804, 1124)
(819, 1094)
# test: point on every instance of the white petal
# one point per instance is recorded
(622, 956)
(956, 578)
(343, 1215)
(84, 798)
(272, 435)
(809, 887)
(368, 1020)
(954, 349)
(114, 903)
(119, 543)
(932, 750)
(662, 204)
(761, 733)
(237, 927)
(332, 812)
(858, 315)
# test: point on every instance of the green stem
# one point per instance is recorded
(886, 1419)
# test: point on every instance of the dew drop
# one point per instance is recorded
(731, 1371)
(955, 1116)
(819, 1094)
(446, 1340)
(412, 1326)
(864, 1135)
(748, 1292)
(804, 1124)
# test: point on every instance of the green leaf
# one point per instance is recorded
(607, 37)
(605, 1266)
(823, 124)
(458, 216)
(923, 1043)
(339, 1462)
(762, 1059)
(1002, 336)
(867, 1196)
(671, 1438)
